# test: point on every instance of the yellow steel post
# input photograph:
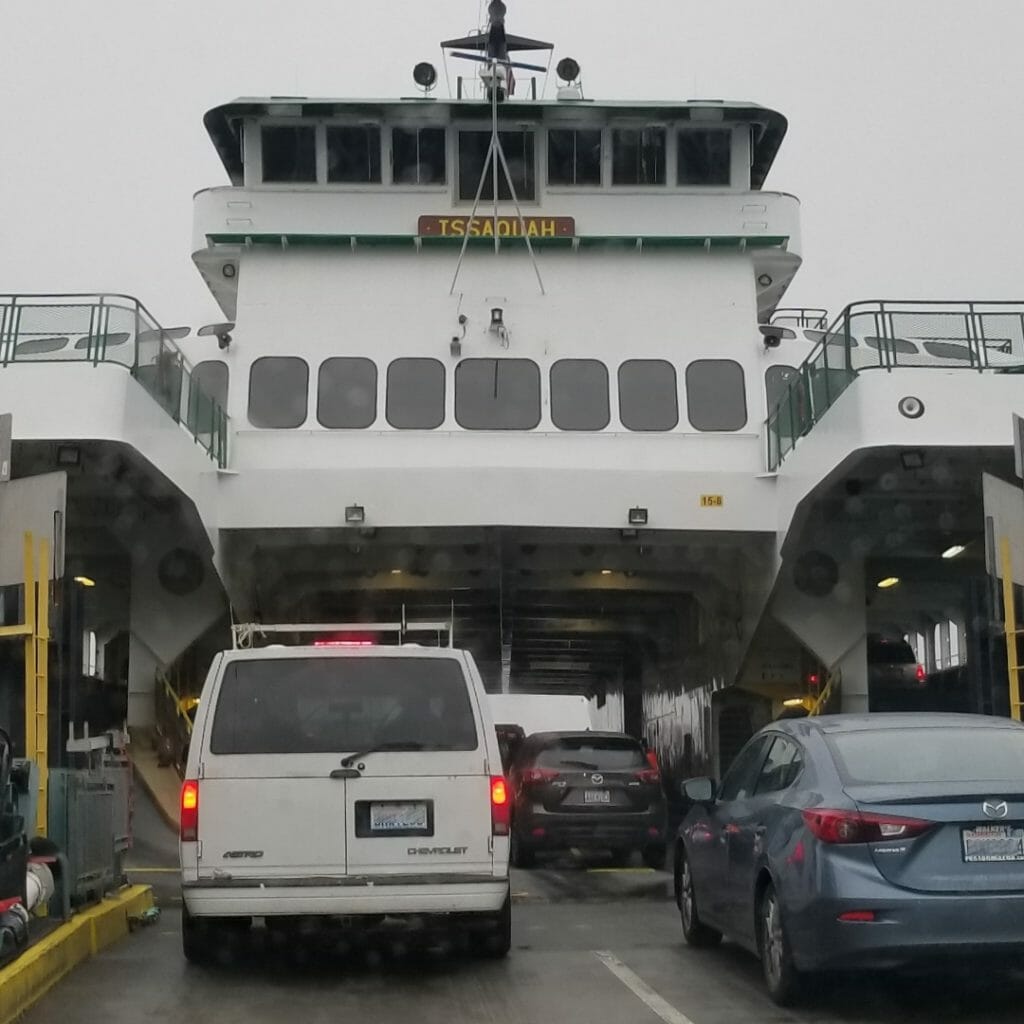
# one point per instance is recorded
(41, 640)
(1010, 626)
(30, 647)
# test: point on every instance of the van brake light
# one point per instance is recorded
(189, 832)
(501, 809)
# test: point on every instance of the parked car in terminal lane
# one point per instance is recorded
(860, 841)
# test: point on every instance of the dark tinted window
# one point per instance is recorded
(289, 153)
(776, 382)
(574, 156)
(497, 394)
(648, 399)
(716, 397)
(947, 350)
(419, 156)
(518, 148)
(212, 378)
(347, 393)
(704, 157)
(579, 394)
(638, 156)
(415, 398)
(781, 767)
(896, 345)
(353, 154)
(336, 705)
(278, 392)
(591, 754)
(741, 778)
(889, 651)
(932, 754)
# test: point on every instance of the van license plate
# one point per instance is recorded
(597, 796)
(990, 843)
(393, 817)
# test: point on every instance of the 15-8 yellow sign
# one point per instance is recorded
(712, 500)
(505, 227)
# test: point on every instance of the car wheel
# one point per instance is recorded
(195, 939)
(499, 941)
(522, 856)
(695, 932)
(781, 976)
(654, 856)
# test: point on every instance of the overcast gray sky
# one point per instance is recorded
(905, 139)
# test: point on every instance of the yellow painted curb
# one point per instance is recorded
(45, 962)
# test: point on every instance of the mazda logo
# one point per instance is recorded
(597, 779)
(995, 808)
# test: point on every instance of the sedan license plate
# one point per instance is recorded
(597, 796)
(991, 843)
(396, 817)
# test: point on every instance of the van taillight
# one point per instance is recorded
(501, 808)
(189, 811)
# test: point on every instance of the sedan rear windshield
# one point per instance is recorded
(342, 705)
(940, 754)
(607, 754)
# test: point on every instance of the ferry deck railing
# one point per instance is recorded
(982, 337)
(118, 329)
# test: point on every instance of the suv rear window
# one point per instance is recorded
(938, 754)
(590, 753)
(341, 705)
(884, 651)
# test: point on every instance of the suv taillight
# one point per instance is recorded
(649, 775)
(846, 827)
(501, 807)
(189, 811)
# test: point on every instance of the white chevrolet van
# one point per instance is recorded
(344, 786)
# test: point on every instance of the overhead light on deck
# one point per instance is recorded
(888, 583)
(396, 572)
(355, 515)
(568, 69)
(425, 75)
(793, 702)
(952, 552)
(85, 581)
(606, 572)
(638, 516)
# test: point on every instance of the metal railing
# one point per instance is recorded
(978, 336)
(801, 316)
(113, 329)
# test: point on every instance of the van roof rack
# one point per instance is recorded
(244, 633)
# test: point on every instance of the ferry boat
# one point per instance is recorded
(512, 370)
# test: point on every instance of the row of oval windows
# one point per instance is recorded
(490, 394)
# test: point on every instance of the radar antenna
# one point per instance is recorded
(495, 45)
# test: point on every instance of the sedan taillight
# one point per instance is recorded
(848, 827)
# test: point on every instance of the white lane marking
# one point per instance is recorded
(666, 1011)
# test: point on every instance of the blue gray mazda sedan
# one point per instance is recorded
(859, 841)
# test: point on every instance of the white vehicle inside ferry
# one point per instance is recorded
(549, 544)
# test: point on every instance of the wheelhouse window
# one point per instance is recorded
(212, 378)
(347, 393)
(638, 156)
(579, 395)
(648, 396)
(518, 147)
(278, 392)
(574, 156)
(353, 154)
(716, 396)
(419, 156)
(415, 394)
(289, 153)
(704, 157)
(497, 394)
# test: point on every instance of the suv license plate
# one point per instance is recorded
(597, 796)
(395, 817)
(992, 843)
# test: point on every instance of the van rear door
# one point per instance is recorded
(421, 804)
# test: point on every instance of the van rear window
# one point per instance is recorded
(342, 705)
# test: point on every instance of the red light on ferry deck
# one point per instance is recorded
(921, 674)
(813, 679)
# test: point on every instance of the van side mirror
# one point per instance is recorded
(698, 791)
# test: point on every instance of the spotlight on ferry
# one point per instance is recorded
(568, 70)
(355, 515)
(765, 280)
(773, 335)
(222, 332)
(638, 516)
(425, 75)
(228, 270)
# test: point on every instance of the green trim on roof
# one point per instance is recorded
(455, 242)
